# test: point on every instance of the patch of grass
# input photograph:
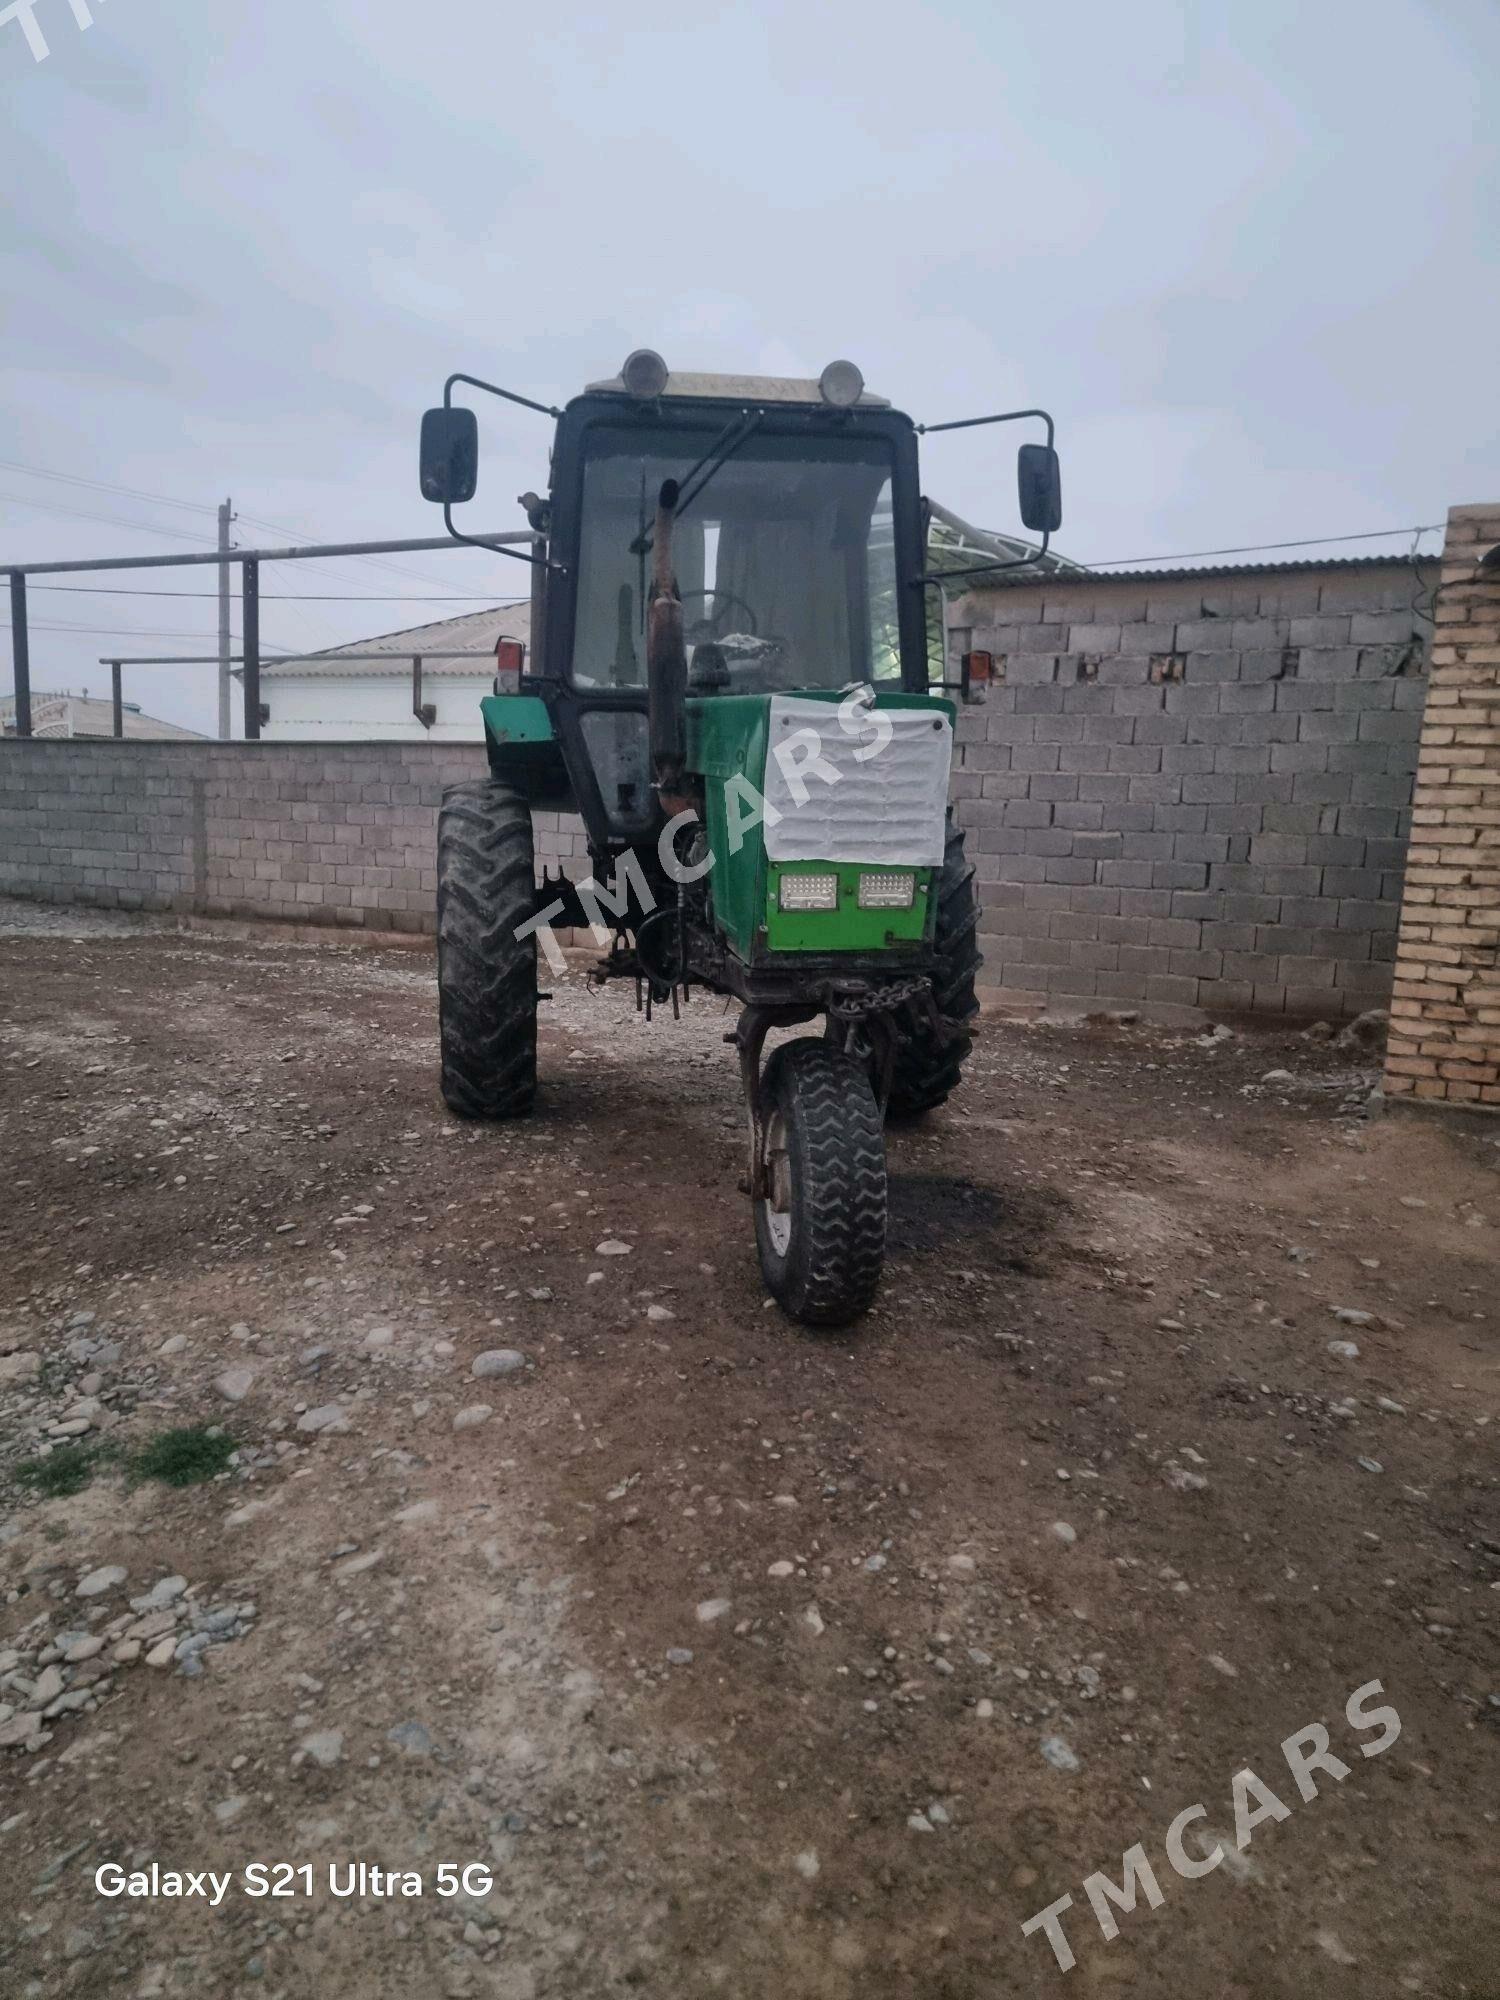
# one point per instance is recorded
(184, 1457)
(66, 1470)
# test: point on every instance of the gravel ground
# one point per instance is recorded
(727, 1658)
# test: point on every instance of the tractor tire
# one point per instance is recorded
(487, 994)
(821, 1233)
(927, 1070)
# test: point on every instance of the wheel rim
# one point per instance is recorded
(777, 1206)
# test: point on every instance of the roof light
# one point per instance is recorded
(644, 373)
(841, 384)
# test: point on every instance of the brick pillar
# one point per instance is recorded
(1445, 1012)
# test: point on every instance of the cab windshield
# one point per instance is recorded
(785, 560)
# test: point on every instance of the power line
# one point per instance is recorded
(343, 576)
(103, 486)
(289, 597)
(137, 632)
(164, 500)
(109, 520)
(401, 569)
(1254, 548)
(375, 562)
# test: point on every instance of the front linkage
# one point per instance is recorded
(863, 1020)
(816, 1109)
(817, 1168)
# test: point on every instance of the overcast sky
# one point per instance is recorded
(1245, 251)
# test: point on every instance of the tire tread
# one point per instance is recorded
(832, 1270)
(487, 998)
(927, 1070)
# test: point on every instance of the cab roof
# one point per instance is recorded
(739, 389)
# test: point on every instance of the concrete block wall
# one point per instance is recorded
(1194, 793)
(323, 833)
(561, 844)
(1178, 794)
(1444, 1045)
(314, 833)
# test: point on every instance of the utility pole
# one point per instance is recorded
(225, 729)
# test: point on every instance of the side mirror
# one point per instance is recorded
(1039, 479)
(450, 455)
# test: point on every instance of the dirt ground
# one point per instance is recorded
(742, 1661)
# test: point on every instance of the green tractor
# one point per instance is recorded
(728, 680)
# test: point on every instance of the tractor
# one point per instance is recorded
(728, 681)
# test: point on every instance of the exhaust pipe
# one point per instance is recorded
(666, 660)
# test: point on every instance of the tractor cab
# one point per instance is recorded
(795, 536)
(729, 683)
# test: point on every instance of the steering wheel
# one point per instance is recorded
(724, 600)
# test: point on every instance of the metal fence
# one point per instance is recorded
(249, 657)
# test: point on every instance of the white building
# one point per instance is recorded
(88, 715)
(369, 691)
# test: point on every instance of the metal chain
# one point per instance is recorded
(878, 1000)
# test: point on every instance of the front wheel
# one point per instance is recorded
(820, 1228)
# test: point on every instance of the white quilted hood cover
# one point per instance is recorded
(842, 790)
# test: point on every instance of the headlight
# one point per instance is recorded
(809, 892)
(886, 892)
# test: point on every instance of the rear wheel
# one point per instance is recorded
(486, 973)
(821, 1229)
(926, 1070)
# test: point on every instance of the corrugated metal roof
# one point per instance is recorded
(474, 631)
(1078, 573)
(950, 535)
(56, 715)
